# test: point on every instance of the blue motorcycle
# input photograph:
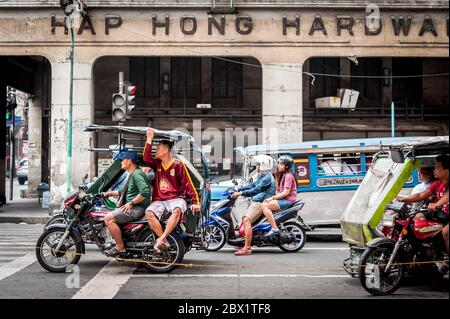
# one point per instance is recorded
(221, 229)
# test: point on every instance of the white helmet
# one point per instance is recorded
(265, 162)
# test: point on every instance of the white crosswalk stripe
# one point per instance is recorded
(17, 241)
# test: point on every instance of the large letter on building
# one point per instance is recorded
(318, 26)
(220, 27)
(183, 21)
(58, 24)
(247, 23)
(112, 22)
(401, 25)
(86, 24)
(428, 26)
(156, 24)
(291, 24)
(345, 22)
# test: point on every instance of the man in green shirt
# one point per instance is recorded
(134, 199)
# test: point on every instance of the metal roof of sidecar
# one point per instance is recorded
(346, 145)
(139, 130)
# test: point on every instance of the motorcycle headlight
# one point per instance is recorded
(388, 219)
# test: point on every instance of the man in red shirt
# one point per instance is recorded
(439, 189)
(172, 181)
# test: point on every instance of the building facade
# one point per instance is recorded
(259, 64)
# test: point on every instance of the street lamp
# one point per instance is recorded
(74, 10)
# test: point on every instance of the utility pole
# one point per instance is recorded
(392, 119)
(11, 100)
(73, 9)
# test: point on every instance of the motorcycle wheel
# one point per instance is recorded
(58, 261)
(56, 219)
(168, 260)
(215, 237)
(295, 229)
(371, 272)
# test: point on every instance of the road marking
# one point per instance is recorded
(9, 257)
(107, 283)
(238, 276)
(305, 248)
(16, 265)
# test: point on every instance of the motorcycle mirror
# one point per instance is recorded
(397, 155)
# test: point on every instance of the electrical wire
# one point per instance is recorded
(288, 68)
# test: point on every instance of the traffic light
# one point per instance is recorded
(131, 99)
(119, 107)
(11, 98)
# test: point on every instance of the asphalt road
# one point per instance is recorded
(314, 272)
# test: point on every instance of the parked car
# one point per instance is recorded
(22, 171)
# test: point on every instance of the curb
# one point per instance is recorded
(25, 219)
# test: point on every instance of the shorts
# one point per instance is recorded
(134, 214)
(284, 203)
(160, 207)
(438, 216)
(254, 212)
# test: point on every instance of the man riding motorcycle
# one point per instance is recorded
(134, 198)
(263, 188)
(439, 209)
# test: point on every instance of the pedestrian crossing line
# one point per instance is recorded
(236, 276)
(9, 257)
(16, 265)
(107, 283)
(23, 244)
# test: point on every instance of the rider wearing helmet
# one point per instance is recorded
(263, 188)
(286, 195)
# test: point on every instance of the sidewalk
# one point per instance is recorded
(27, 211)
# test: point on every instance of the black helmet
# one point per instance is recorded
(286, 160)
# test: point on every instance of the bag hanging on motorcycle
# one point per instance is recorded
(191, 221)
(440, 216)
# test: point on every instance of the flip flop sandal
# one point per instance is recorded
(114, 252)
(243, 252)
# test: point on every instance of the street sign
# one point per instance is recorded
(17, 122)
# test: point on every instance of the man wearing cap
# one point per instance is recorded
(172, 181)
(134, 198)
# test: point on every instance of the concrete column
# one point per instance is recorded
(387, 90)
(165, 69)
(206, 80)
(282, 103)
(345, 69)
(306, 85)
(82, 116)
(35, 133)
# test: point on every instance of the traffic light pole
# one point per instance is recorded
(69, 137)
(12, 157)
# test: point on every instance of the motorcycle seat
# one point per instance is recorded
(143, 220)
(297, 203)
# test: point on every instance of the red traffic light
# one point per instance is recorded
(132, 90)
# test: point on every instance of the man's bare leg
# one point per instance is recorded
(171, 224)
(248, 233)
(445, 235)
(154, 223)
(115, 231)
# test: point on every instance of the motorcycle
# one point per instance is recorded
(409, 245)
(62, 245)
(221, 229)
